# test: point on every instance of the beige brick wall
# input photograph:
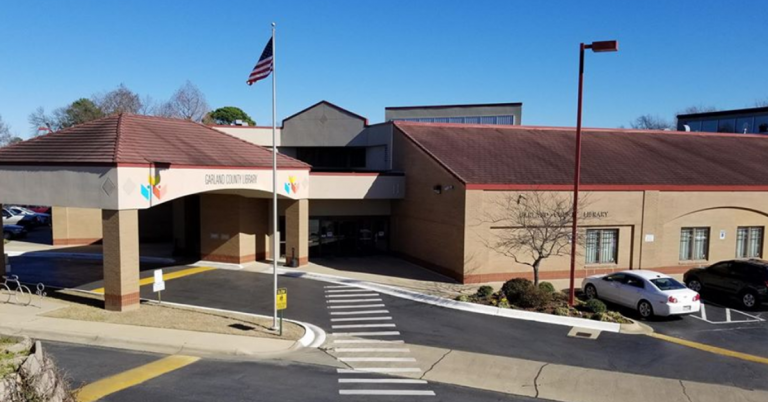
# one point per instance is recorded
(75, 226)
(427, 227)
(230, 226)
(637, 215)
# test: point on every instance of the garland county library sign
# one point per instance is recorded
(222, 179)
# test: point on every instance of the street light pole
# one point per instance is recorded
(604, 46)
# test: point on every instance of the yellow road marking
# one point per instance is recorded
(110, 385)
(711, 349)
(166, 277)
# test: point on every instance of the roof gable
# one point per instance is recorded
(326, 103)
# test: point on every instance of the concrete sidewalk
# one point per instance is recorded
(558, 382)
(28, 320)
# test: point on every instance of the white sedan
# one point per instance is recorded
(651, 293)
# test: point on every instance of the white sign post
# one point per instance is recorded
(159, 284)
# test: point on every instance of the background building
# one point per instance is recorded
(489, 113)
(742, 121)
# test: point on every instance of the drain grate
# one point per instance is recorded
(584, 333)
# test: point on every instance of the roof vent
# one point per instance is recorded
(239, 122)
(686, 128)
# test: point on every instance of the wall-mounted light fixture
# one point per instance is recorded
(448, 187)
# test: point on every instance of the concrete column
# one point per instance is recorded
(121, 259)
(2, 254)
(297, 233)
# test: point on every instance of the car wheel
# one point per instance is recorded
(748, 299)
(645, 309)
(694, 284)
(591, 292)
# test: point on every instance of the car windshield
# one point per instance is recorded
(667, 284)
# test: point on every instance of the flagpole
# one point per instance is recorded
(275, 228)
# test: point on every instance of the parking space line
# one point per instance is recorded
(711, 349)
(132, 377)
(727, 315)
(167, 277)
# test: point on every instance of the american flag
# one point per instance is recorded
(263, 66)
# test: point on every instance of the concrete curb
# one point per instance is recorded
(82, 256)
(457, 305)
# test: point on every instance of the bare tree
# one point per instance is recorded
(118, 100)
(5, 133)
(188, 102)
(531, 226)
(761, 102)
(40, 120)
(698, 109)
(651, 122)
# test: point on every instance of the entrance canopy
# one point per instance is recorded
(134, 162)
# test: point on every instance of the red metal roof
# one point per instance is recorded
(137, 139)
(485, 156)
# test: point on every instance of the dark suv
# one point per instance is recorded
(745, 279)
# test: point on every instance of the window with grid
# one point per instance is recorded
(694, 244)
(602, 246)
(749, 242)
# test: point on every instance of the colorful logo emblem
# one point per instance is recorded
(292, 185)
(153, 188)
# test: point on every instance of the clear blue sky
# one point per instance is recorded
(365, 55)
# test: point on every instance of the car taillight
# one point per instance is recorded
(672, 299)
(697, 297)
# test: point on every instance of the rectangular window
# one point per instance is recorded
(709, 126)
(749, 242)
(694, 244)
(745, 125)
(602, 246)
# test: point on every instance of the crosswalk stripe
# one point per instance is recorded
(379, 381)
(347, 290)
(363, 326)
(361, 319)
(382, 333)
(340, 287)
(352, 295)
(354, 301)
(359, 341)
(359, 306)
(368, 350)
(376, 359)
(359, 312)
(392, 392)
(380, 370)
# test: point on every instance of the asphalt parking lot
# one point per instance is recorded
(721, 324)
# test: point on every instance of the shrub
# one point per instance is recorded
(463, 298)
(534, 298)
(484, 291)
(503, 303)
(561, 311)
(513, 289)
(547, 287)
(596, 306)
(597, 316)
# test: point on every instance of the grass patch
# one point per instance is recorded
(87, 307)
